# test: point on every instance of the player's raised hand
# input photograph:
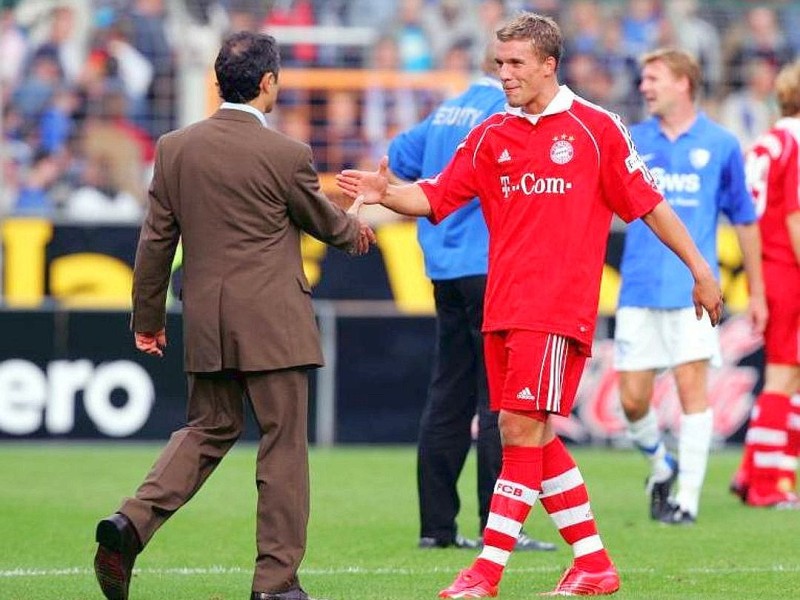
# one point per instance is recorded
(364, 187)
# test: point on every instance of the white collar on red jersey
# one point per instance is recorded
(560, 103)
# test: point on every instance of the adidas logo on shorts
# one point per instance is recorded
(525, 394)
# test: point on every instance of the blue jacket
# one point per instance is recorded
(459, 245)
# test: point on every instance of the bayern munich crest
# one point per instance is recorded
(562, 151)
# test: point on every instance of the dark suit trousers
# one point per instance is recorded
(457, 392)
(215, 412)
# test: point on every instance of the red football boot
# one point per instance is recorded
(584, 583)
(469, 584)
(776, 499)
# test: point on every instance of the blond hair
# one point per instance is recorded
(543, 33)
(787, 89)
(680, 64)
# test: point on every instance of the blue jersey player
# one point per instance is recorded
(698, 167)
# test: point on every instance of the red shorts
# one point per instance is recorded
(531, 371)
(782, 335)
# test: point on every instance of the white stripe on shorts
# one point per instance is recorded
(558, 354)
(541, 373)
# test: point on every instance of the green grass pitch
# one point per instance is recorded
(363, 530)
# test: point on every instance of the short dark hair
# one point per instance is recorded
(543, 33)
(242, 62)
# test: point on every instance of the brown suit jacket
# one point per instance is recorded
(238, 195)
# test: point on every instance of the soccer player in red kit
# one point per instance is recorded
(550, 171)
(767, 475)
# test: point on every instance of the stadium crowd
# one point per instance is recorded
(87, 86)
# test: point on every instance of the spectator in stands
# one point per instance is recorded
(146, 22)
(446, 23)
(698, 37)
(127, 64)
(387, 110)
(57, 124)
(641, 27)
(760, 36)
(245, 15)
(97, 199)
(583, 29)
(414, 46)
(341, 140)
(295, 13)
(35, 196)
(38, 85)
(491, 15)
(750, 111)
(112, 139)
(61, 33)
(295, 121)
(13, 49)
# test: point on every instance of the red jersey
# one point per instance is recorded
(772, 167)
(548, 186)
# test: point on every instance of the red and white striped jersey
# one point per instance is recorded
(548, 186)
(772, 167)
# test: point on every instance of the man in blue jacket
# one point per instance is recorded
(456, 260)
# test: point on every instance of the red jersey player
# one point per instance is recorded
(549, 171)
(767, 475)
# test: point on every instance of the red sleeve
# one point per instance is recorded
(791, 180)
(455, 185)
(628, 187)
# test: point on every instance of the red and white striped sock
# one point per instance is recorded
(793, 440)
(566, 499)
(767, 441)
(515, 493)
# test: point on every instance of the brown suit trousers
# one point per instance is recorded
(279, 400)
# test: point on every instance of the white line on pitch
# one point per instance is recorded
(219, 570)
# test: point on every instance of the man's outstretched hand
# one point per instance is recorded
(151, 343)
(364, 187)
(366, 237)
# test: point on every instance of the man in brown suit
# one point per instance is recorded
(238, 194)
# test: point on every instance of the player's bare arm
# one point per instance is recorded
(373, 187)
(750, 243)
(706, 294)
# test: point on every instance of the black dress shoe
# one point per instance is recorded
(457, 542)
(118, 545)
(296, 593)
